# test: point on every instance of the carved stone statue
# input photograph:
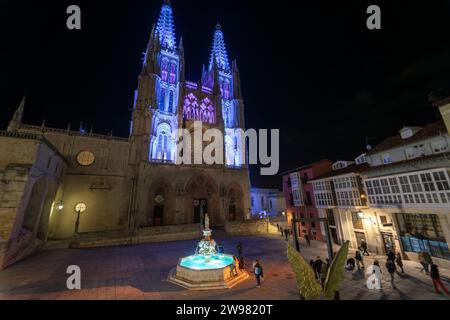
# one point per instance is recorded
(206, 221)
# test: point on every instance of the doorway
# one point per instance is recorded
(360, 237)
(334, 235)
(200, 208)
(158, 218)
(388, 241)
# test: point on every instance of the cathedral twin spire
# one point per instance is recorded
(219, 54)
(165, 27)
(165, 35)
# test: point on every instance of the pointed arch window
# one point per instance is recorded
(162, 99)
(171, 102)
(164, 70)
(173, 73)
(226, 90)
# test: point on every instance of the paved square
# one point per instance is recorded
(139, 272)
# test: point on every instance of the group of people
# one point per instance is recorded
(394, 262)
(284, 232)
(320, 269)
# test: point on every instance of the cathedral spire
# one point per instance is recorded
(165, 27)
(16, 120)
(219, 51)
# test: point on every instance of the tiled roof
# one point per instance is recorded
(349, 169)
(430, 130)
(409, 161)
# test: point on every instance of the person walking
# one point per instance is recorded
(308, 241)
(359, 260)
(399, 261)
(436, 278)
(390, 266)
(233, 267)
(286, 234)
(423, 262)
(258, 271)
(391, 255)
(364, 248)
(281, 231)
(318, 266)
(311, 263)
(239, 249)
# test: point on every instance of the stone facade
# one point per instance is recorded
(30, 174)
(118, 186)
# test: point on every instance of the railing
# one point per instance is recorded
(71, 132)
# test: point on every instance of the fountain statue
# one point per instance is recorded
(206, 269)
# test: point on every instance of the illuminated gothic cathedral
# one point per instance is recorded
(121, 186)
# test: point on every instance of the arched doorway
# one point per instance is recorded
(202, 197)
(159, 204)
(235, 203)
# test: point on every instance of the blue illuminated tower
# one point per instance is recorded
(219, 51)
(155, 121)
(231, 98)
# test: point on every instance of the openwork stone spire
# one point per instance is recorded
(219, 51)
(165, 27)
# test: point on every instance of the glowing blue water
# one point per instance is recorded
(199, 262)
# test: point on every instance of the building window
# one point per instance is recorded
(427, 182)
(357, 221)
(262, 202)
(162, 99)
(173, 73)
(171, 101)
(164, 70)
(406, 188)
(441, 181)
(415, 183)
(439, 146)
(253, 201)
(394, 185)
(85, 158)
(386, 158)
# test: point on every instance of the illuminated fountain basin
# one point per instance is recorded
(206, 269)
(199, 262)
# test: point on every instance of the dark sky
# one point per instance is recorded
(312, 70)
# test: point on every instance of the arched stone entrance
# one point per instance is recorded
(202, 197)
(235, 203)
(160, 204)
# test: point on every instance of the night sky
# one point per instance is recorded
(312, 70)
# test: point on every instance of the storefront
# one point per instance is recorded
(422, 233)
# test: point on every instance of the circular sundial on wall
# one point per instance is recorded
(159, 198)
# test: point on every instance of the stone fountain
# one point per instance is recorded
(206, 269)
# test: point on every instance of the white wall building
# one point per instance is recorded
(400, 199)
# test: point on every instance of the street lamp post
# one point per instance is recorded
(77, 222)
(79, 209)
